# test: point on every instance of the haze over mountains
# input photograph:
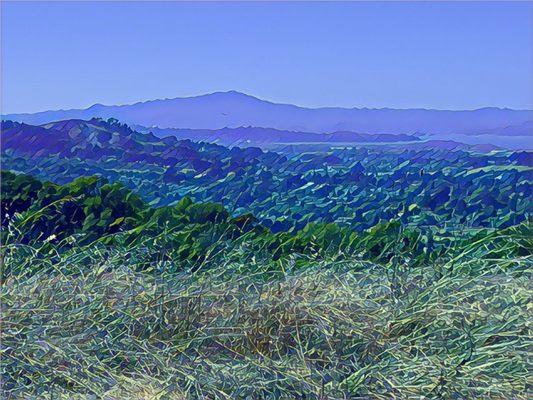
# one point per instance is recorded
(265, 137)
(233, 110)
(97, 139)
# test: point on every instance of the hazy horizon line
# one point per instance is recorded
(237, 92)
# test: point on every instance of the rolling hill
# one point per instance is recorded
(422, 183)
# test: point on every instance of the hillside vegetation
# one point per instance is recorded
(356, 187)
(135, 267)
(107, 297)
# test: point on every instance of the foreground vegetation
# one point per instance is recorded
(89, 211)
(92, 323)
(106, 297)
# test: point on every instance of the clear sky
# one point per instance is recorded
(433, 55)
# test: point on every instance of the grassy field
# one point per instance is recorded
(87, 324)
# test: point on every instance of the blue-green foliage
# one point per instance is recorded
(354, 187)
(90, 210)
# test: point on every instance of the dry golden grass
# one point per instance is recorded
(331, 331)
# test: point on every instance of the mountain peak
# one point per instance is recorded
(229, 94)
(234, 92)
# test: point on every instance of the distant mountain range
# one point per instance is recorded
(246, 136)
(97, 139)
(234, 110)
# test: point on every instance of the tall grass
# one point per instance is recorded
(88, 324)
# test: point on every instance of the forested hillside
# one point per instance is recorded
(139, 267)
(352, 186)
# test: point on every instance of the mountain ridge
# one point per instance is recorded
(249, 135)
(234, 109)
(236, 92)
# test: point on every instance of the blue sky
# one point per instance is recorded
(433, 55)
